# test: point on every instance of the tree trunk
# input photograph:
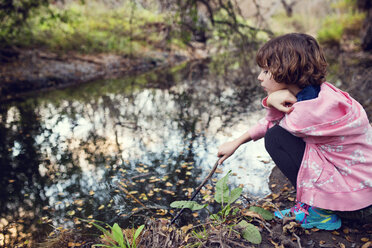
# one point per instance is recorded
(366, 35)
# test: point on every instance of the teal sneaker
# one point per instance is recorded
(321, 219)
(298, 210)
(311, 217)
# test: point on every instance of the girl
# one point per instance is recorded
(318, 136)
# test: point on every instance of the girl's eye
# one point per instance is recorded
(266, 71)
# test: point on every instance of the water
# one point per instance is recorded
(66, 154)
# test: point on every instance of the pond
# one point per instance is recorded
(69, 153)
(82, 151)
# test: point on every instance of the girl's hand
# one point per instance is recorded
(282, 100)
(226, 150)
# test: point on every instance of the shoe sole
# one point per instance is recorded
(324, 226)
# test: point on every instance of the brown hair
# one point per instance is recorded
(294, 59)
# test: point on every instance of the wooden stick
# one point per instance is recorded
(197, 190)
(131, 196)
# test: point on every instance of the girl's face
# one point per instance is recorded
(268, 83)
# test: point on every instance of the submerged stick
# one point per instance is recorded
(131, 196)
(197, 190)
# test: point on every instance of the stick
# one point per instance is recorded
(197, 190)
(131, 196)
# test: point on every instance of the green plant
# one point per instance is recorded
(226, 197)
(222, 195)
(116, 237)
(345, 20)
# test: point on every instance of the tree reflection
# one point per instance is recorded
(66, 153)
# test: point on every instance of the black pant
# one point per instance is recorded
(286, 150)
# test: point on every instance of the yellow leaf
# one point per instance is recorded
(291, 198)
(274, 196)
(134, 209)
(364, 239)
(342, 245)
(168, 184)
(186, 228)
(11, 181)
(71, 244)
(163, 166)
(188, 173)
(101, 207)
(367, 245)
(168, 192)
(72, 212)
(90, 217)
(91, 192)
(346, 230)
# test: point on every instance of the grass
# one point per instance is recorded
(93, 27)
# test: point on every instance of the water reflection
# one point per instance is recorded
(66, 154)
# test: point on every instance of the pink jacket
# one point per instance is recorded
(336, 170)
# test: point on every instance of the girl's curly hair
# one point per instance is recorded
(294, 59)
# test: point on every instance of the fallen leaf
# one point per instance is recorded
(101, 207)
(367, 245)
(348, 238)
(71, 244)
(341, 245)
(168, 184)
(91, 192)
(335, 233)
(186, 228)
(291, 198)
(72, 212)
(274, 196)
(364, 239)
(168, 192)
(346, 230)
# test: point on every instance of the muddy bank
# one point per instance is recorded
(35, 70)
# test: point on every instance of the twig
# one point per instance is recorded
(298, 240)
(130, 195)
(263, 223)
(197, 190)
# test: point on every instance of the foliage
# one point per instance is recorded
(125, 27)
(116, 237)
(13, 16)
(250, 232)
(224, 196)
(92, 27)
(345, 19)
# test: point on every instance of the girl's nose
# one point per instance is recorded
(260, 77)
